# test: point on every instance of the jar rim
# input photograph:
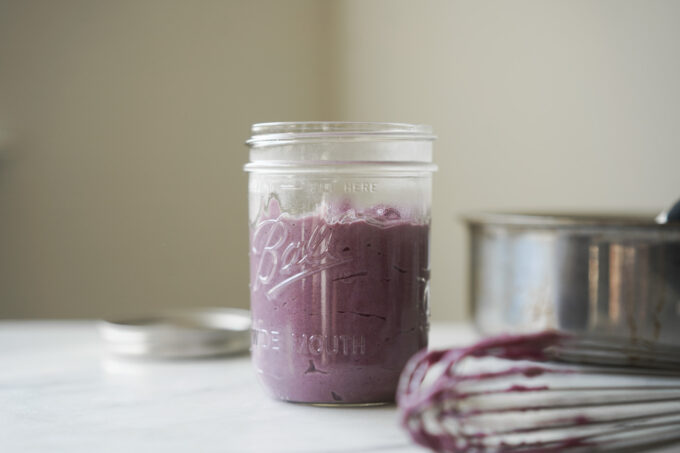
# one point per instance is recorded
(354, 168)
(279, 133)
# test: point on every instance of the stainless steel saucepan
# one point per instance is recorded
(615, 277)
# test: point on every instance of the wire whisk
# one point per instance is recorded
(518, 394)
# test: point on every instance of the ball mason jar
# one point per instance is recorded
(339, 257)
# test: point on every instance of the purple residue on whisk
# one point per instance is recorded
(414, 398)
(523, 388)
(581, 420)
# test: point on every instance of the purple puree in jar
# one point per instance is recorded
(339, 302)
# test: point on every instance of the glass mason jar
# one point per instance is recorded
(339, 257)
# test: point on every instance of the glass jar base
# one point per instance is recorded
(343, 405)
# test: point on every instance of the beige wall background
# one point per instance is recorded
(121, 184)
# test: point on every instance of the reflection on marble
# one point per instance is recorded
(60, 392)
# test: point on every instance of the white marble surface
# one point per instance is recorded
(59, 392)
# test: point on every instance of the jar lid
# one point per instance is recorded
(179, 334)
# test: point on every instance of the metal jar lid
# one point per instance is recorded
(179, 334)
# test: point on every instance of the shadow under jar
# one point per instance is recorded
(339, 257)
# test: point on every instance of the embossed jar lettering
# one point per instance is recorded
(332, 344)
(275, 256)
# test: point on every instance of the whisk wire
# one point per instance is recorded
(510, 395)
